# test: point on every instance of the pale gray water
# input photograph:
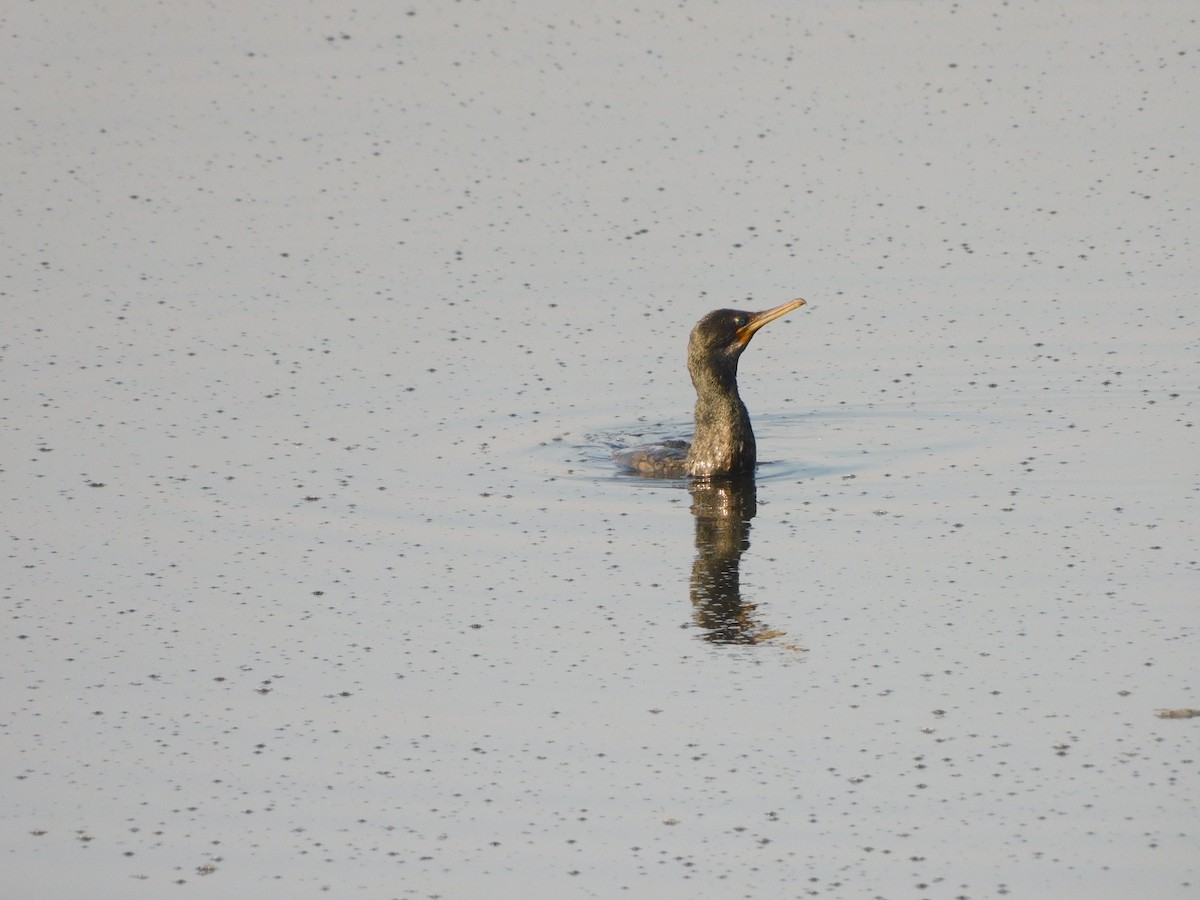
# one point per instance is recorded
(321, 323)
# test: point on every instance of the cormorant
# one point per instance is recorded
(723, 444)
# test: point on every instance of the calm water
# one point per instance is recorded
(322, 326)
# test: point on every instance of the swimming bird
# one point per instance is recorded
(723, 444)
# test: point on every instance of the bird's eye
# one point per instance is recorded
(740, 320)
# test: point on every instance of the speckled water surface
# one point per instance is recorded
(322, 320)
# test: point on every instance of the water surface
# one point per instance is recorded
(321, 326)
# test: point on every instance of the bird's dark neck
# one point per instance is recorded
(724, 440)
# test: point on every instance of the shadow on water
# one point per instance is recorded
(722, 511)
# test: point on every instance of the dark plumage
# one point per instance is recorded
(724, 440)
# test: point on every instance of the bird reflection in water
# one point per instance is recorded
(723, 509)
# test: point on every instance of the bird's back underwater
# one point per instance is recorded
(665, 460)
